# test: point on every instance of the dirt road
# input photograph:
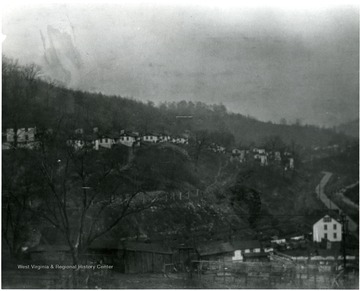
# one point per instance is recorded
(353, 226)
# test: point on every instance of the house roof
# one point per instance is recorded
(49, 248)
(105, 243)
(214, 248)
(333, 216)
(146, 247)
(150, 134)
(246, 244)
(129, 133)
(112, 244)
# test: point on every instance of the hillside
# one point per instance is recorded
(31, 101)
(231, 198)
(350, 128)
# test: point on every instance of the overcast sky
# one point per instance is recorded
(267, 62)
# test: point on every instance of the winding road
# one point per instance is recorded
(352, 225)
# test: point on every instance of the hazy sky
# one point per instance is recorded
(268, 62)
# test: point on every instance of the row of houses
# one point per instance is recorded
(263, 157)
(27, 138)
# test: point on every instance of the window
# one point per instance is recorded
(327, 219)
(335, 235)
(325, 235)
(325, 226)
(106, 140)
(335, 226)
(26, 137)
(151, 137)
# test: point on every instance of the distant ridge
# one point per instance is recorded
(350, 128)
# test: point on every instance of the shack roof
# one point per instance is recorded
(214, 248)
(146, 247)
(246, 244)
(49, 248)
(111, 244)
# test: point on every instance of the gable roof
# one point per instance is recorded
(332, 216)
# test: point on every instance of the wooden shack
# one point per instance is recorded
(132, 256)
(140, 257)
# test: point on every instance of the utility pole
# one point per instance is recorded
(343, 236)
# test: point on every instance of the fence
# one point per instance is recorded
(232, 274)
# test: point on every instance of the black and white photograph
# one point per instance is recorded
(180, 145)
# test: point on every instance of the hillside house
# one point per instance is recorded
(26, 137)
(259, 151)
(217, 148)
(105, 141)
(262, 158)
(76, 143)
(327, 228)
(180, 140)
(127, 139)
(150, 137)
(79, 131)
(80, 142)
(245, 247)
(291, 163)
(238, 155)
(164, 138)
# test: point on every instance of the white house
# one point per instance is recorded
(76, 143)
(262, 158)
(327, 228)
(25, 137)
(164, 138)
(153, 138)
(291, 163)
(126, 139)
(23, 134)
(105, 142)
(245, 247)
(259, 151)
(237, 154)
